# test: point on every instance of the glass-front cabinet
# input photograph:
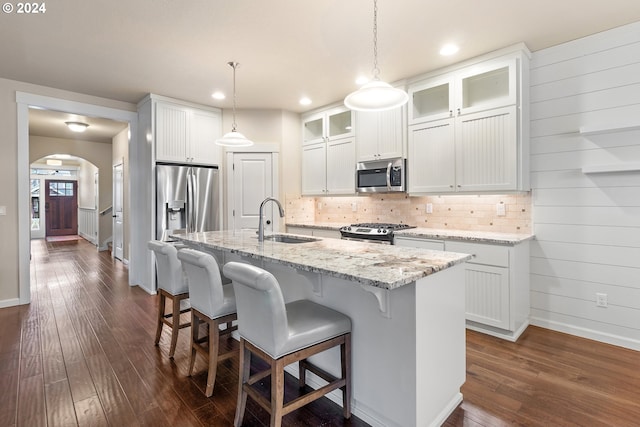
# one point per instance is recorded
(476, 88)
(329, 125)
(469, 128)
(328, 152)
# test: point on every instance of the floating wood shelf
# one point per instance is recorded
(619, 167)
(601, 129)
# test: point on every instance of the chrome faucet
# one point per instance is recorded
(261, 220)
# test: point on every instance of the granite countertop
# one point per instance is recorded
(434, 233)
(382, 266)
(466, 236)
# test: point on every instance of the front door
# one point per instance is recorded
(118, 212)
(251, 183)
(61, 206)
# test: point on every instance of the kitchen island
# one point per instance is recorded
(407, 309)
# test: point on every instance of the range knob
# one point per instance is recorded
(379, 230)
(385, 231)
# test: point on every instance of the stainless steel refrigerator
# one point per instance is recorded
(187, 198)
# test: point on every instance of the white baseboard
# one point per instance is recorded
(587, 333)
(9, 302)
(88, 238)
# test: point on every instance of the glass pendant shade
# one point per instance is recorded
(376, 96)
(234, 139)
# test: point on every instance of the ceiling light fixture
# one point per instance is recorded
(234, 138)
(76, 126)
(449, 49)
(376, 95)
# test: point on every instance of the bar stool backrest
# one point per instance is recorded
(205, 285)
(262, 316)
(170, 276)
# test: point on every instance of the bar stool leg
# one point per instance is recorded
(175, 325)
(214, 336)
(345, 359)
(277, 392)
(161, 308)
(245, 365)
(195, 336)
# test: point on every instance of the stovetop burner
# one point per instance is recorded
(372, 231)
(383, 225)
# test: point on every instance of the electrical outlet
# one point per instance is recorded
(354, 207)
(429, 208)
(319, 205)
(501, 209)
(3, 210)
(601, 300)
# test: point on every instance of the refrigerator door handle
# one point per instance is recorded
(194, 202)
(189, 213)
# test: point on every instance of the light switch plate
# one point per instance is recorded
(429, 208)
(3, 210)
(501, 209)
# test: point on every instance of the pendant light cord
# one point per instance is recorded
(376, 70)
(234, 65)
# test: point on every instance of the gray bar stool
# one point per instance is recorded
(212, 304)
(171, 286)
(282, 334)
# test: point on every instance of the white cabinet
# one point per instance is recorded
(380, 134)
(328, 153)
(468, 129)
(329, 168)
(327, 125)
(497, 296)
(185, 134)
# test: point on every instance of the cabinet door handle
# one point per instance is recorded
(450, 113)
(458, 111)
(451, 186)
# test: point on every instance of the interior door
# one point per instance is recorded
(61, 206)
(118, 212)
(252, 182)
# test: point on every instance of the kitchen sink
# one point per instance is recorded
(283, 238)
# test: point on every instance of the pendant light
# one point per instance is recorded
(234, 138)
(376, 95)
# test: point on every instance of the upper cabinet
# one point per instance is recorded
(329, 125)
(186, 134)
(380, 134)
(469, 128)
(476, 88)
(328, 153)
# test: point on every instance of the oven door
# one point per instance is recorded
(368, 239)
(381, 176)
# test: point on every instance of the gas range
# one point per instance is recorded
(372, 232)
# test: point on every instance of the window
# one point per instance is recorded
(60, 189)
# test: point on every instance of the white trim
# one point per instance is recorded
(9, 302)
(587, 333)
(23, 102)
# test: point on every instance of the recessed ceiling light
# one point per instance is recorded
(449, 49)
(305, 101)
(76, 126)
(218, 95)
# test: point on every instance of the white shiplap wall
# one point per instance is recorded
(587, 225)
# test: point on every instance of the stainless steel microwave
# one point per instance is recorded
(381, 176)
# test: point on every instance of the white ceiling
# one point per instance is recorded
(123, 49)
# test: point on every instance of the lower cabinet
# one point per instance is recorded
(496, 284)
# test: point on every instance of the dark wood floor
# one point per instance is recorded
(82, 353)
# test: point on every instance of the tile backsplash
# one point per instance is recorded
(460, 212)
